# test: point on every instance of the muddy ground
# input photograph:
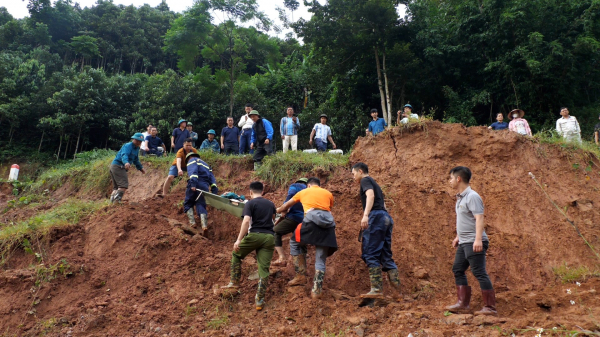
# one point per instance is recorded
(134, 272)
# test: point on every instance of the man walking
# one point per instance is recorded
(262, 136)
(317, 228)
(289, 127)
(180, 134)
(321, 133)
(193, 135)
(288, 223)
(377, 226)
(178, 165)
(127, 155)
(568, 127)
(256, 234)
(153, 144)
(246, 133)
(377, 125)
(201, 179)
(230, 138)
(210, 144)
(471, 244)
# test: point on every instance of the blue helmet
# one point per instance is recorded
(211, 132)
(408, 106)
(138, 136)
(182, 121)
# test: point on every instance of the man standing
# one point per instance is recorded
(377, 226)
(289, 127)
(256, 234)
(178, 165)
(321, 133)
(193, 135)
(153, 144)
(499, 124)
(568, 127)
(201, 179)
(377, 125)
(246, 124)
(230, 138)
(210, 143)
(471, 244)
(262, 136)
(317, 228)
(180, 134)
(127, 155)
(287, 224)
(146, 134)
(407, 114)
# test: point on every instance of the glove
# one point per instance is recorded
(214, 190)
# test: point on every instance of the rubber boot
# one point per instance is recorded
(376, 284)
(113, 195)
(118, 196)
(259, 299)
(190, 215)
(300, 268)
(204, 221)
(489, 303)
(317, 290)
(464, 298)
(236, 275)
(394, 278)
(257, 165)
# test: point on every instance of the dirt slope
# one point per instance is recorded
(135, 273)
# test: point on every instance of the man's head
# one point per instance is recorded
(408, 109)
(211, 135)
(256, 188)
(182, 124)
(324, 119)
(500, 117)
(187, 145)
(313, 181)
(254, 115)
(459, 176)
(564, 111)
(137, 139)
(249, 107)
(374, 113)
(230, 121)
(189, 127)
(150, 126)
(360, 170)
(153, 131)
(290, 111)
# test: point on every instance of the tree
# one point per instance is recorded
(86, 46)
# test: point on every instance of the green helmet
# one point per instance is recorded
(253, 112)
(302, 180)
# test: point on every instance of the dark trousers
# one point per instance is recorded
(245, 137)
(465, 257)
(285, 226)
(377, 241)
(321, 145)
(192, 200)
(261, 151)
(231, 149)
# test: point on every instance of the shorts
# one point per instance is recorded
(173, 170)
(118, 174)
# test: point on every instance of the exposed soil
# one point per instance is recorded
(136, 273)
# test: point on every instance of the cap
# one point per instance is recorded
(189, 124)
(253, 112)
(211, 132)
(138, 136)
(324, 115)
(181, 121)
(408, 106)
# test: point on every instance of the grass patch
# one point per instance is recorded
(573, 274)
(282, 168)
(13, 235)
(552, 137)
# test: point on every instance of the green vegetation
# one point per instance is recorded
(283, 168)
(550, 136)
(569, 274)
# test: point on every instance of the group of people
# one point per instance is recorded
(378, 125)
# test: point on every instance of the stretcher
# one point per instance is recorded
(232, 207)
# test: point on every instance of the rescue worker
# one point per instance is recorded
(127, 155)
(201, 179)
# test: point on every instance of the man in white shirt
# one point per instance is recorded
(245, 125)
(568, 127)
(321, 133)
(407, 114)
(144, 147)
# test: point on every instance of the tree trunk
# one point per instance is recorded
(387, 94)
(40, 147)
(59, 146)
(78, 137)
(231, 75)
(380, 84)
(11, 133)
(67, 148)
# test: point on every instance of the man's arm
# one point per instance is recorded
(179, 171)
(558, 128)
(268, 129)
(286, 206)
(172, 141)
(312, 135)
(331, 140)
(596, 136)
(478, 244)
(146, 145)
(243, 232)
(222, 145)
(281, 129)
(364, 223)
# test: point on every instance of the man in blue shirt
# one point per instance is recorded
(154, 145)
(127, 155)
(377, 125)
(211, 143)
(262, 136)
(179, 135)
(500, 124)
(230, 138)
(288, 225)
(289, 127)
(201, 179)
(193, 135)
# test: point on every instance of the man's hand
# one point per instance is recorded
(477, 246)
(127, 166)
(455, 242)
(222, 146)
(489, 127)
(364, 223)
(193, 188)
(282, 137)
(267, 141)
(172, 145)
(310, 142)
(251, 146)
(295, 119)
(334, 147)
(236, 246)
(180, 173)
(143, 171)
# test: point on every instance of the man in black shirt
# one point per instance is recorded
(377, 226)
(257, 235)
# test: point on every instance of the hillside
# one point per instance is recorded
(129, 270)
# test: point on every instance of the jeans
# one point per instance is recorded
(465, 257)
(321, 145)
(231, 149)
(320, 253)
(285, 226)
(155, 151)
(287, 140)
(245, 141)
(261, 151)
(377, 241)
(263, 244)
(191, 199)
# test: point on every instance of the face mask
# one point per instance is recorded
(515, 115)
